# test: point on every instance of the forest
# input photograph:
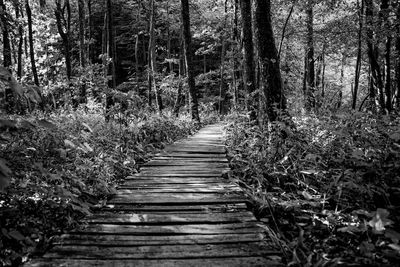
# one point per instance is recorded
(308, 93)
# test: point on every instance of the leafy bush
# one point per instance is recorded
(330, 184)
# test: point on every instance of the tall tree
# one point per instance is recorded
(398, 56)
(152, 57)
(64, 29)
(18, 14)
(31, 46)
(109, 42)
(7, 57)
(189, 59)
(309, 72)
(268, 60)
(248, 59)
(373, 55)
(82, 26)
(388, 46)
(359, 50)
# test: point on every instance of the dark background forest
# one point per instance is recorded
(309, 92)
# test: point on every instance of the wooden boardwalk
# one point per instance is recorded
(178, 211)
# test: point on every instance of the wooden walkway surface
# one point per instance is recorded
(178, 211)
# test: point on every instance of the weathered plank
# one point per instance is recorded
(152, 218)
(183, 208)
(138, 240)
(161, 251)
(191, 229)
(193, 262)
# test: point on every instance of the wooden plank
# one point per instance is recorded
(209, 186)
(178, 190)
(203, 208)
(175, 175)
(193, 262)
(251, 249)
(170, 198)
(137, 240)
(192, 229)
(205, 164)
(151, 218)
(189, 155)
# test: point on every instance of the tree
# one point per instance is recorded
(248, 58)
(111, 53)
(152, 58)
(31, 47)
(82, 26)
(269, 61)
(309, 71)
(359, 50)
(18, 14)
(373, 55)
(6, 53)
(64, 29)
(189, 59)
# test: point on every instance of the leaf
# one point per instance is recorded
(46, 124)
(68, 143)
(5, 173)
(380, 220)
(309, 172)
(306, 195)
(395, 247)
(16, 235)
(88, 147)
(393, 235)
(87, 127)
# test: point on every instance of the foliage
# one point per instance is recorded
(331, 186)
(59, 168)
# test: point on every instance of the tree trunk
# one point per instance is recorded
(385, 11)
(65, 36)
(268, 59)
(152, 56)
(179, 96)
(137, 50)
(92, 58)
(18, 14)
(359, 50)
(398, 57)
(7, 56)
(248, 59)
(373, 55)
(31, 47)
(82, 48)
(310, 68)
(112, 55)
(189, 59)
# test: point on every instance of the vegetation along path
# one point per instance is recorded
(178, 211)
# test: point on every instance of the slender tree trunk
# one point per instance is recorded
(18, 14)
(359, 50)
(284, 31)
(7, 56)
(112, 55)
(65, 35)
(388, 81)
(82, 48)
(398, 57)
(222, 80)
(248, 59)
(268, 60)
(235, 37)
(373, 55)
(92, 58)
(179, 95)
(310, 68)
(31, 47)
(340, 94)
(153, 61)
(189, 59)
(137, 49)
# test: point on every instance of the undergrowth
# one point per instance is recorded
(329, 187)
(60, 166)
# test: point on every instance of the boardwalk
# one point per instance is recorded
(178, 211)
